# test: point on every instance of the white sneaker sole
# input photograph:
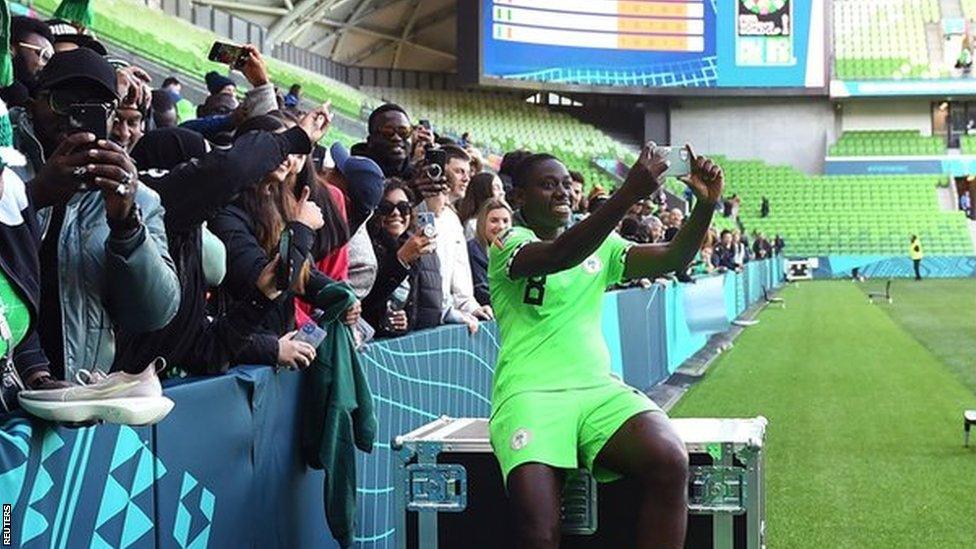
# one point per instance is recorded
(123, 411)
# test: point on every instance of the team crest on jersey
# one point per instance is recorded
(520, 439)
(592, 265)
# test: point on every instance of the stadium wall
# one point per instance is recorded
(870, 266)
(887, 114)
(793, 131)
(224, 469)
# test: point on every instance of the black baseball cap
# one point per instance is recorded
(80, 66)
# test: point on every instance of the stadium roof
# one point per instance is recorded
(400, 34)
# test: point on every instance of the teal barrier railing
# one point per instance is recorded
(223, 469)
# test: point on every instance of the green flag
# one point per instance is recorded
(76, 11)
(6, 65)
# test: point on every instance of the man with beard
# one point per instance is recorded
(31, 48)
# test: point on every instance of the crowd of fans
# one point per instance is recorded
(136, 225)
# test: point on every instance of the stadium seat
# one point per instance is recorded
(883, 39)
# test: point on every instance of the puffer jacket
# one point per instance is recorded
(104, 281)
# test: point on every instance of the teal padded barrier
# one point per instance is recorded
(223, 470)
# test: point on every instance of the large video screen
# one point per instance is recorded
(654, 44)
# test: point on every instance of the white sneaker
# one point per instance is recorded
(125, 399)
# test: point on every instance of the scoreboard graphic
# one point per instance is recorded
(654, 43)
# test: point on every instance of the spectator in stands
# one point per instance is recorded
(458, 302)
(965, 203)
(704, 264)
(163, 109)
(734, 204)
(761, 248)
(494, 217)
(483, 187)
(631, 229)
(407, 292)
(31, 49)
(548, 284)
(218, 84)
(457, 171)
(68, 36)
(222, 114)
(191, 191)
(184, 108)
(465, 140)
(251, 229)
(130, 120)
(347, 194)
(778, 244)
(740, 251)
(112, 240)
(764, 207)
(391, 140)
(477, 161)
(724, 255)
(20, 291)
(655, 230)
(916, 254)
(294, 96)
(675, 220)
(579, 196)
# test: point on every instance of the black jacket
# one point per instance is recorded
(478, 258)
(245, 261)
(191, 193)
(19, 262)
(423, 304)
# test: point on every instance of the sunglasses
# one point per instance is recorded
(44, 53)
(61, 101)
(390, 131)
(386, 208)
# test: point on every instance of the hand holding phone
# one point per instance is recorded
(227, 54)
(679, 159)
(89, 117)
(310, 333)
(286, 269)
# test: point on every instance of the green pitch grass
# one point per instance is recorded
(864, 444)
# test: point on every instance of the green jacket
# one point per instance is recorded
(337, 413)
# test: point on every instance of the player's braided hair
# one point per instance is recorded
(524, 168)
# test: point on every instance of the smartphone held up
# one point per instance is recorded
(679, 160)
(228, 54)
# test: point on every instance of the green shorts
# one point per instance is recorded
(564, 429)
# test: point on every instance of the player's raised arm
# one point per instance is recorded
(650, 260)
(544, 186)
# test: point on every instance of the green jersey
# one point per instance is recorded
(552, 337)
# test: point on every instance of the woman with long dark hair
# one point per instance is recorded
(407, 293)
(251, 229)
(555, 404)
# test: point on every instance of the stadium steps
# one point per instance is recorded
(934, 40)
(947, 199)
